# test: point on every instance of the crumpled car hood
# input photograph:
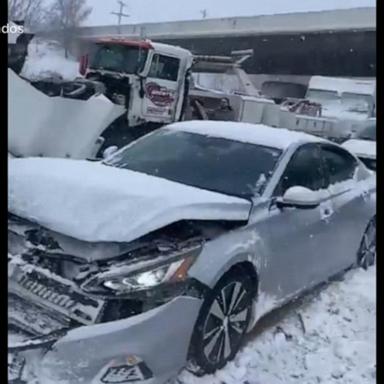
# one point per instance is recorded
(93, 202)
(40, 125)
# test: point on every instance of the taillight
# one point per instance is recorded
(83, 65)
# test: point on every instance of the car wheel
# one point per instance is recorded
(223, 322)
(367, 251)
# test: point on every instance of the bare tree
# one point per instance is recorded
(32, 12)
(67, 16)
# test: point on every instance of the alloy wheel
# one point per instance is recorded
(226, 322)
(367, 254)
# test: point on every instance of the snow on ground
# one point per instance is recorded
(46, 58)
(330, 339)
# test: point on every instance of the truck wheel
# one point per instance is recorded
(223, 322)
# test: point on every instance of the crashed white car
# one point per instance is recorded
(171, 249)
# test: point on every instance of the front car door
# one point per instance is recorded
(295, 238)
(353, 195)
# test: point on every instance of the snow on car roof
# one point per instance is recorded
(248, 133)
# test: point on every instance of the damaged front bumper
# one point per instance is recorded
(65, 334)
(148, 348)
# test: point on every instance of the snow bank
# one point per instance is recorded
(331, 339)
(47, 58)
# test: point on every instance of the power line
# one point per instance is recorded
(120, 14)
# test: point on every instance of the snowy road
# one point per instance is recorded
(329, 339)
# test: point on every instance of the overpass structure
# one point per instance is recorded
(332, 43)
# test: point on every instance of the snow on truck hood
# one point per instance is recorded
(93, 202)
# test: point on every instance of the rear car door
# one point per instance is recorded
(162, 89)
(353, 202)
(296, 238)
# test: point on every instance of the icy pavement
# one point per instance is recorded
(330, 339)
(46, 58)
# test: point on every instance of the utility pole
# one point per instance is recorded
(120, 15)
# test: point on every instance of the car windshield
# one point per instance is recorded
(215, 164)
(368, 133)
(119, 58)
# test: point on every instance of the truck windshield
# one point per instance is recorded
(211, 163)
(355, 102)
(348, 101)
(322, 96)
(119, 58)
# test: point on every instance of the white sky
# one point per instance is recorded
(167, 10)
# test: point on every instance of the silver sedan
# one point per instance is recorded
(172, 248)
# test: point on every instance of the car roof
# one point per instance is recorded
(260, 134)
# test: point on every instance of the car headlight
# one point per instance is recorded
(173, 272)
(125, 281)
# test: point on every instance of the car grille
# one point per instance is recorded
(54, 293)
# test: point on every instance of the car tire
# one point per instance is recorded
(222, 323)
(366, 256)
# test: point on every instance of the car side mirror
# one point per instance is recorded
(299, 197)
(110, 151)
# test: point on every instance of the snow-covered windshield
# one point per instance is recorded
(368, 133)
(119, 58)
(216, 164)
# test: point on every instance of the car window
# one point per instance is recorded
(339, 164)
(304, 170)
(164, 67)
